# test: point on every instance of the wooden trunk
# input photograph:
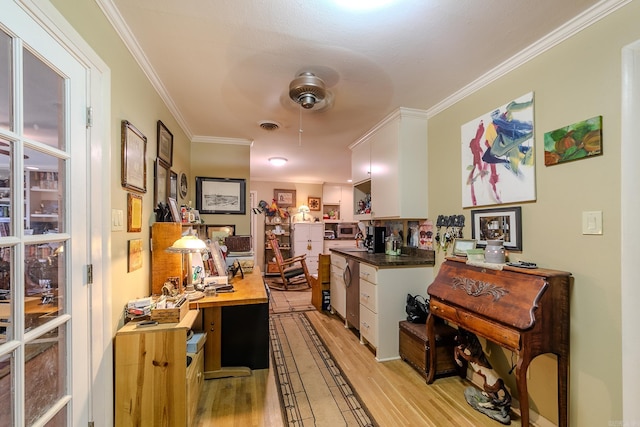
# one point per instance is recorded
(414, 348)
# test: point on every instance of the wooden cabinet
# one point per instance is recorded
(156, 381)
(281, 227)
(383, 294)
(164, 264)
(309, 240)
(398, 172)
(337, 287)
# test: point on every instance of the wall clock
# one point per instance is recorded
(183, 185)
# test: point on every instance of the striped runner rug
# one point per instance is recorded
(313, 390)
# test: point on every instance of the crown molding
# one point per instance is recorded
(562, 33)
(221, 140)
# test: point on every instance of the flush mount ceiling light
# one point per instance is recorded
(307, 89)
(277, 161)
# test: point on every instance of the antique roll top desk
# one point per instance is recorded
(523, 310)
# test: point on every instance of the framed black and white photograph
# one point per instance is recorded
(220, 195)
(173, 185)
(165, 144)
(497, 224)
(134, 154)
(161, 182)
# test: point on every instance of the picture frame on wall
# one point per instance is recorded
(220, 195)
(285, 198)
(165, 144)
(161, 182)
(314, 203)
(220, 232)
(497, 224)
(134, 153)
(173, 185)
(134, 213)
(134, 255)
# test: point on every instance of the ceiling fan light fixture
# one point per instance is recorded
(277, 161)
(307, 89)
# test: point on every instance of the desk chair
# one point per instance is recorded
(293, 271)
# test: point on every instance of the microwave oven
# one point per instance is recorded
(347, 230)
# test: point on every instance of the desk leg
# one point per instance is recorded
(212, 318)
(431, 337)
(523, 394)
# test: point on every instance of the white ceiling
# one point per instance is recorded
(224, 66)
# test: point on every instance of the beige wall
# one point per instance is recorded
(577, 80)
(134, 99)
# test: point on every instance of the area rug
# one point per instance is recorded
(313, 390)
(286, 302)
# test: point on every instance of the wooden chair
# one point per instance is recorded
(293, 271)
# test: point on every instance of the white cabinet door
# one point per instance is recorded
(361, 162)
(331, 194)
(338, 291)
(309, 241)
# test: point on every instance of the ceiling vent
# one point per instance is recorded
(269, 125)
(307, 89)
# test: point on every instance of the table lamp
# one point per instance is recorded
(304, 209)
(187, 245)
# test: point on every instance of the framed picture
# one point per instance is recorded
(285, 198)
(134, 255)
(173, 185)
(313, 203)
(165, 144)
(497, 224)
(134, 154)
(220, 232)
(578, 141)
(218, 258)
(134, 212)
(175, 212)
(220, 195)
(161, 182)
(184, 185)
(461, 246)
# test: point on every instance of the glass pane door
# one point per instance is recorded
(42, 97)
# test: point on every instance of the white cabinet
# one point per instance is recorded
(308, 239)
(337, 286)
(361, 161)
(335, 243)
(338, 198)
(383, 294)
(398, 165)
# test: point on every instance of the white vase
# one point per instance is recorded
(494, 252)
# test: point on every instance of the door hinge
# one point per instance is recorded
(89, 117)
(89, 274)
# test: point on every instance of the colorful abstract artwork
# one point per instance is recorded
(498, 159)
(577, 141)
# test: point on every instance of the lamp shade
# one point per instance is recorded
(304, 209)
(187, 244)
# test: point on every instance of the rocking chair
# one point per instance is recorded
(293, 271)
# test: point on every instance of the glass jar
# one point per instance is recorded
(494, 252)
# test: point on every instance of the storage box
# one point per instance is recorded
(170, 315)
(238, 244)
(414, 348)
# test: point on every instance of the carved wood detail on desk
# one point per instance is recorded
(523, 310)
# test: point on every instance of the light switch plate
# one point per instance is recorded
(117, 220)
(592, 222)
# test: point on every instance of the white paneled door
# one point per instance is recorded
(45, 372)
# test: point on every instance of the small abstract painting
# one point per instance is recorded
(498, 161)
(577, 141)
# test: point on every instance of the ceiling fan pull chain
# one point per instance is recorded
(300, 130)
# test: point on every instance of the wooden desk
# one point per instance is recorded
(245, 313)
(525, 311)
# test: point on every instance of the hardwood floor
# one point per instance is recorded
(392, 391)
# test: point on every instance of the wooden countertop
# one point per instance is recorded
(413, 258)
(250, 290)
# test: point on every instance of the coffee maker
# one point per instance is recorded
(375, 239)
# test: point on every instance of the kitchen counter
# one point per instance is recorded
(411, 257)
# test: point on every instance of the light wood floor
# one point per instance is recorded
(392, 391)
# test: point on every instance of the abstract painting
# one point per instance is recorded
(577, 141)
(498, 159)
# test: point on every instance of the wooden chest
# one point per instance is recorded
(414, 348)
